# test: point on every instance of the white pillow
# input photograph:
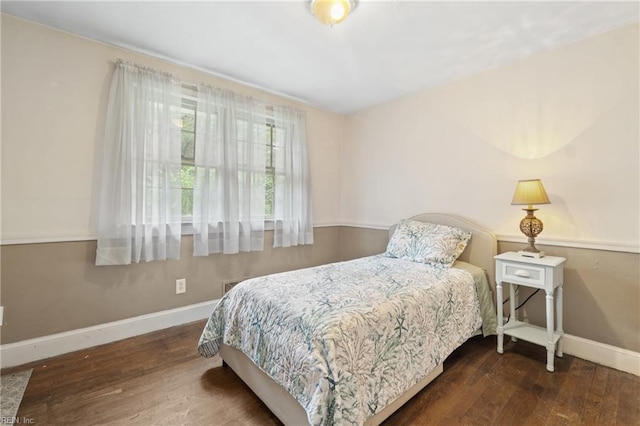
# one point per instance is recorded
(438, 245)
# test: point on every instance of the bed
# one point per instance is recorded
(350, 342)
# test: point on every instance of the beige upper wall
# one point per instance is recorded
(568, 116)
(54, 95)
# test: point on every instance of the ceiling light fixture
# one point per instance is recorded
(331, 12)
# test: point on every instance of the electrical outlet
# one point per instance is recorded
(181, 285)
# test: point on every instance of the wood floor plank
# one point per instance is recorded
(522, 403)
(609, 407)
(560, 414)
(596, 394)
(583, 371)
(159, 379)
(628, 401)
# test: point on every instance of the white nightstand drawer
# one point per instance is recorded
(517, 273)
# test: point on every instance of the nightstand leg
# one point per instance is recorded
(559, 316)
(513, 298)
(500, 329)
(551, 349)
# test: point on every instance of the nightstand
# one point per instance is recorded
(545, 273)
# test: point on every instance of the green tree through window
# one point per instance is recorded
(188, 130)
(188, 156)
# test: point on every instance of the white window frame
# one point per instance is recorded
(189, 101)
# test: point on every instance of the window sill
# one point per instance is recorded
(187, 227)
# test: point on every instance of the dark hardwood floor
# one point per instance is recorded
(159, 379)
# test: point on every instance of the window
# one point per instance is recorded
(266, 134)
(251, 167)
(270, 173)
(188, 133)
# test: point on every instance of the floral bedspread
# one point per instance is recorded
(346, 339)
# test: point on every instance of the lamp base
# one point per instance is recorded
(534, 255)
(531, 226)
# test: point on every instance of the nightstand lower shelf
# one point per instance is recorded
(530, 333)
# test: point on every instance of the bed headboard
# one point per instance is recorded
(482, 247)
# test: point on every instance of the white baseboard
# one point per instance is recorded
(600, 353)
(26, 351)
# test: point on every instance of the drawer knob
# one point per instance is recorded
(522, 273)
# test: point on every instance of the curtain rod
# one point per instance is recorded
(194, 86)
(269, 105)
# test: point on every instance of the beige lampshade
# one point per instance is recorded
(530, 192)
(332, 12)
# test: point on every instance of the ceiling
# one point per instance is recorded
(384, 50)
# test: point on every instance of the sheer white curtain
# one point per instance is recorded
(293, 223)
(229, 184)
(140, 194)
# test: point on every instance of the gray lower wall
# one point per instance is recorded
(359, 242)
(55, 287)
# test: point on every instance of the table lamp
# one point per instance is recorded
(530, 192)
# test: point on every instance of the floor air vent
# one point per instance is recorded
(228, 285)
